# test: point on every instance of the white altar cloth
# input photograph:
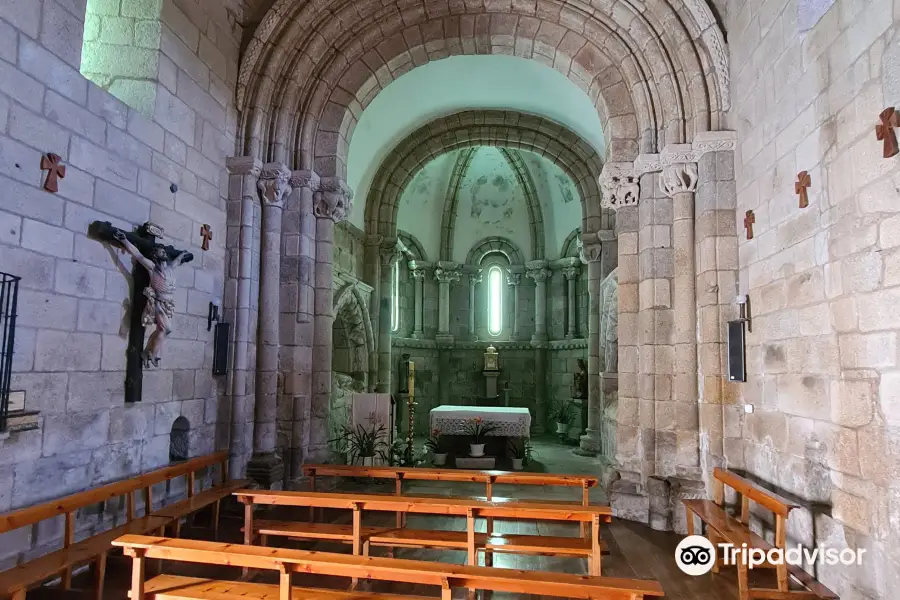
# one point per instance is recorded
(511, 421)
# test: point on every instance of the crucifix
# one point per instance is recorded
(884, 131)
(55, 171)
(207, 235)
(749, 220)
(153, 301)
(803, 182)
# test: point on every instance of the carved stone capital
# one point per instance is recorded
(476, 277)
(305, 179)
(679, 178)
(447, 272)
(416, 273)
(334, 200)
(244, 165)
(389, 252)
(572, 272)
(590, 248)
(537, 270)
(619, 186)
(273, 184)
(514, 279)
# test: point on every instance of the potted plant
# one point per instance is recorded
(521, 454)
(563, 415)
(435, 445)
(363, 444)
(478, 430)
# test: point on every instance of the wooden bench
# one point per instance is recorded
(363, 537)
(286, 562)
(15, 582)
(488, 478)
(724, 528)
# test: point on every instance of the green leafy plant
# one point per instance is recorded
(478, 429)
(525, 451)
(363, 443)
(435, 443)
(562, 412)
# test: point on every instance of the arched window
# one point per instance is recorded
(495, 300)
(395, 297)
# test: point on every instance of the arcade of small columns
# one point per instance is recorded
(675, 248)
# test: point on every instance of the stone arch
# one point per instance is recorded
(413, 247)
(570, 247)
(495, 245)
(497, 128)
(656, 73)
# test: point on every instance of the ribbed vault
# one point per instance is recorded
(656, 71)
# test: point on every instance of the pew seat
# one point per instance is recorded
(175, 587)
(421, 538)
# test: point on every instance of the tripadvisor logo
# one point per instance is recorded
(696, 555)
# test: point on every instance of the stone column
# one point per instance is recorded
(571, 274)
(514, 280)
(372, 276)
(239, 307)
(418, 275)
(389, 254)
(446, 273)
(297, 328)
(589, 443)
(331, 204)
(474, 279)
(679, 182)
(538, 271)
(266, 467)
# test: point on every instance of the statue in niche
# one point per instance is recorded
(159, 309)
(580, 381)
(609, 321)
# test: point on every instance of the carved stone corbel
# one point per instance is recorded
(619, 186)
(274, 184)
(679, 178)
(334, 200)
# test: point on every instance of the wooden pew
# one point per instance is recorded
(285, 562)
(362, 538)
(15, 582)
(488, 478)
(723, 528)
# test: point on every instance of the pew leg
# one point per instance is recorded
(20, 595)
(177, 527)
(743, 583)
(263, 539)
(99, 575)
(782, 572)
(689, 521)
(215, 519)
(714, 540)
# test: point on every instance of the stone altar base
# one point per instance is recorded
(480, 463)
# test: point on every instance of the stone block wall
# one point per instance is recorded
(822, 355)
(73, 304)
(349, 252)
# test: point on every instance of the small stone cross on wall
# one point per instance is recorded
(803, 182)
(55, 171)
(749, 220)
(207, 234)
(884, 131)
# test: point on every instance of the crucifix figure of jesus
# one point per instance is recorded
(884, 131)
(803, 182)
(749, 220)
(160, 293)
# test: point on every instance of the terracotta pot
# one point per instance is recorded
(517, 464)
(562, 428)
(439, 460)
(476, 450)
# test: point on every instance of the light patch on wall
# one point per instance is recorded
(890, 67)
(810, 11)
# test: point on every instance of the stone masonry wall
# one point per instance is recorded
(72, 326)
(809, 81)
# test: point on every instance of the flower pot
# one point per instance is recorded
(517, 464)
(440, 459)
(476, 450)
(562, 428)
(367, 461)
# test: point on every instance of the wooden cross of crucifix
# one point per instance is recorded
(884, 131)
(749, 220)
(206, 233)
(803, 182)
(55, 171)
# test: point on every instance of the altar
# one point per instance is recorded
(511, 421)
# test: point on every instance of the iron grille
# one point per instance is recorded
(9, 295)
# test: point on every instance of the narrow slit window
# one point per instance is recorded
(395, 297)
(495, 300)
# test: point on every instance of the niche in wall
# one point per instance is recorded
(179, 442)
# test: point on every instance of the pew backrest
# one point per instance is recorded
(386, 569)
(457, 475)
(69, 504)
(749, 491)
(433, 505)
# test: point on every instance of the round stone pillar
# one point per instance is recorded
(538, 271)
(418, 275)
(590, 442)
